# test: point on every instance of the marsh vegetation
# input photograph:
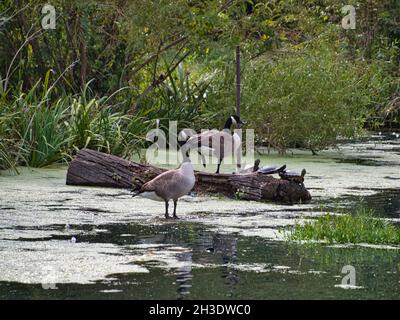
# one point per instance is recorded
(360, 226)
(109, 69)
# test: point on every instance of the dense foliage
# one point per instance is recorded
(112, 67)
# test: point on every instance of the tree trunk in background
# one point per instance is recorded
(370, 25)
(238, 80)
(93, 168)
(70, 26)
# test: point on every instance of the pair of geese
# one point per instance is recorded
(173, 184)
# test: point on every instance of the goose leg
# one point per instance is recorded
(166, 210)
(174, 215)
(219, 164)
(203, 159)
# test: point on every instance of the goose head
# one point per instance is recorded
(233, 120)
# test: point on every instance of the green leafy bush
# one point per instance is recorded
(310, 98)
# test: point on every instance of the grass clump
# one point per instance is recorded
(360, 227)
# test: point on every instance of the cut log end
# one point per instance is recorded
(93, 168)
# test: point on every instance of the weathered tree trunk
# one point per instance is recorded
(93, 168)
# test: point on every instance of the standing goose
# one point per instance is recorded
(170, 185)
(217, 143)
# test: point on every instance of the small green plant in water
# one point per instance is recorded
(360, 227)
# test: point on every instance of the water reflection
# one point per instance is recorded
(184, 274)
(207, 248)
(220, 249)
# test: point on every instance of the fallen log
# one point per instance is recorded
(93, 168)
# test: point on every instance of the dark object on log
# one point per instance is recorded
(93, 168)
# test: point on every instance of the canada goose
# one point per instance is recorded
(217, 143)
(170, 185)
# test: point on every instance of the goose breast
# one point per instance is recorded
(172, 185)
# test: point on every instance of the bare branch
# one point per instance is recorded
(145, 63)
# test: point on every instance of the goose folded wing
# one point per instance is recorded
(160, 182)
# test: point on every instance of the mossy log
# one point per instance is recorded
(93, 168)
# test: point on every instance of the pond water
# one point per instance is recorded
(59, 241)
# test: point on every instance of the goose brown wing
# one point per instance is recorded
(159, 183)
